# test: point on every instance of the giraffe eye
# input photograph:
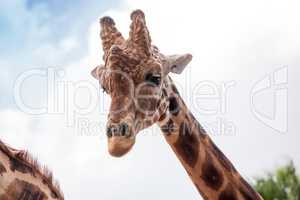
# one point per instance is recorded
(153, 78)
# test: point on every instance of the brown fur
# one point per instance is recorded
(21, 190)
(23, 162)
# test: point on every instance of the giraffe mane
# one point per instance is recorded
(32, 163)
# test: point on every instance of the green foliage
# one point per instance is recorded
(284, 184)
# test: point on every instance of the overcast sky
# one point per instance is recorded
(242, 85)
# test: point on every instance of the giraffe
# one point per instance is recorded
(22, 178)
(135, 74)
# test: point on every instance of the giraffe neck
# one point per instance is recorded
(22, 178)
(212, 173)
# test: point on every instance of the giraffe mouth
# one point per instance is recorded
(118, 146)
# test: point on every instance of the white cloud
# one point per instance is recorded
(15, 127)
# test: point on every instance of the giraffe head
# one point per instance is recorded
(134, 75)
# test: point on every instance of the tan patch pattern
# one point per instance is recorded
(20, 190)
(23, 162)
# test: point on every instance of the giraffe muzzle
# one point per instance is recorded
(118, 130)
(120, 139)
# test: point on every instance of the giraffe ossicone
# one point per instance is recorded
(136, 76)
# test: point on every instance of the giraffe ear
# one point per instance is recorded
(96, 73)
(177, 63)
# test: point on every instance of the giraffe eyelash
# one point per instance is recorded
(154, 79)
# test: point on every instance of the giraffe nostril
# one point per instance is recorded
(124, 129)
(118, 130)
(109, 132)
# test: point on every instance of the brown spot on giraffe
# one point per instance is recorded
(169, 127)
(21, 190)
(228, 193)
(174, 106)
(162, 117)
(211, 175)
(187, 145)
